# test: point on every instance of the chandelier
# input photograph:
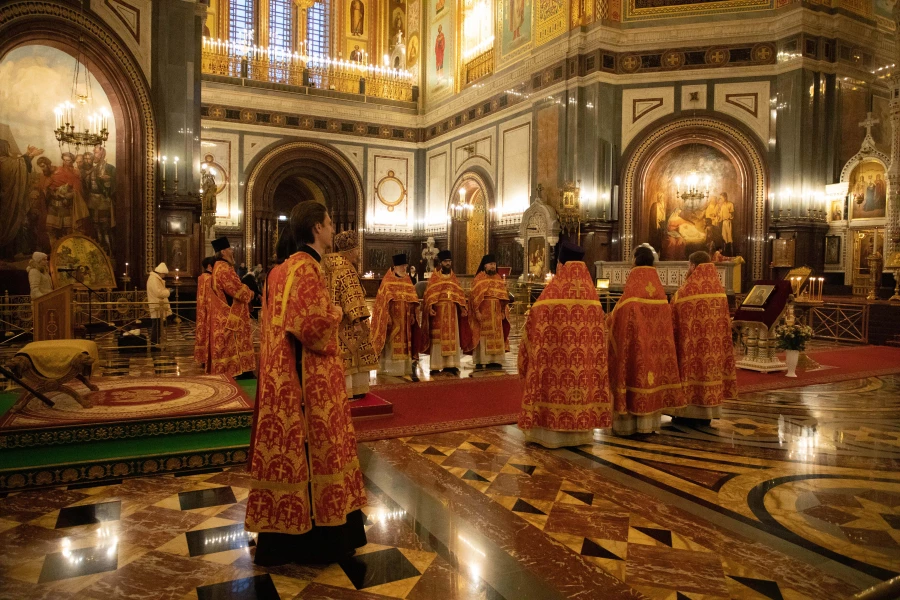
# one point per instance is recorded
(462, 210)
(692, 193)
(568, 209)
(76, 124)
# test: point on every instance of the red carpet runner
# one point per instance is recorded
(438, 406)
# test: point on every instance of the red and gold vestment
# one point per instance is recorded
(489, 307)
(702, 323)
(562, 356)
(448, 326)
(201, 342)
(394, 319)
(303, 438)
(346, 292)
(643, 372)
(230, 341)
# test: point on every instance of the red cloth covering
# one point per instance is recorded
(303, 439)
(447, 299)
(230, 341)
(394, 317)
(201, 342)
(702, 324)
(562, 356)
(643, 371)
(489, 305)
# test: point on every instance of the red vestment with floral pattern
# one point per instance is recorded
(201, 342)
(489, 305)
(447, 299)
(394, 319)
(230, 341)
(703, 341)
(562, 356)
(303, 461)
(643, 372)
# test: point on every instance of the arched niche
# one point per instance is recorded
(470, 240)
(721, 141)
(115, 69)
(294, 172)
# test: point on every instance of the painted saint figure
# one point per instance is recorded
(15, 172)
(726, 218)
(439, 46)
(563, 360)
(357, 17)
(516, 17)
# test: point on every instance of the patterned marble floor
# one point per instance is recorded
(792, 494)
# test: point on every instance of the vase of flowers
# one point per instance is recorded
(792, 339)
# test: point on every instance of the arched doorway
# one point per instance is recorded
(117, 72)
(469, 239)
(655, 207)
(298, 172)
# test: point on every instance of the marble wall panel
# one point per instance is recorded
(390, 191)
(642, 106)
(514, 181)
(747, 102)
(436, 173)
(548, 150)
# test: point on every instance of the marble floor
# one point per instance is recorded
(791, 494)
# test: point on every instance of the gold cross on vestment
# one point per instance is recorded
(650, 378)
(579, 286)
(651, 289)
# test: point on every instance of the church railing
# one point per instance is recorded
(225, 59)
(840, 322)
(480, 66)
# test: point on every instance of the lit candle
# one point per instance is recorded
(176, 172)
(821, 285)
(164, 174)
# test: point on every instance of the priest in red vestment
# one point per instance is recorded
(306, 490)
(394, 322)
(489, 306)
(702, 323)
(444, 318)
(643, 372)
(228, 314)
(201, 341)
(562, 359)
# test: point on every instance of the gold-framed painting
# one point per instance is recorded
(783, 252)
(76, 258)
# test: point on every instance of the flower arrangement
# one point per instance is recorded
(793, 336)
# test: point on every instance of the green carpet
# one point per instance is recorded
(96, 460)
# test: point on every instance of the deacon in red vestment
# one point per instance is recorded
(489, 305)
(228, 314)
(562, 359)
(201, 341)
(643, 370)
(702, 323)
(445, 323)
(394, 324)
(307, 488)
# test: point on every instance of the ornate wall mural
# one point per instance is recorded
(440, 54)
(677, 224)
(50, 191)
(515, 18)
(551, 20)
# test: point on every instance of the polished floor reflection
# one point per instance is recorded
(792, 494)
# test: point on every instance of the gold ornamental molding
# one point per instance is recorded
(757, 175)
(12, 12)
(276, 154)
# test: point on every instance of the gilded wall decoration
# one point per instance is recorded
(868, 190)
(390, 191)
(638, 10)
(78, 259)
(440, 55)
(515, 21)
(551, 20)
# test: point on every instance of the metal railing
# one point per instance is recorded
(227, 59)
(840, 322)
(481, 65)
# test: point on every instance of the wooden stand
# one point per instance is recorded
(53, 319)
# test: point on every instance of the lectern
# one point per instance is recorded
(53, 318)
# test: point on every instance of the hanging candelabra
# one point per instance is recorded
(463, 209)
(78, 124)
(568, 209)
(692, 190)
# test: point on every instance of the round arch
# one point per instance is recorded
(118, 73)
(301, 166)
(726, 136)
(465, 242)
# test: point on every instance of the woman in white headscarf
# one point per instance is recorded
(39, 276)
(158, 300)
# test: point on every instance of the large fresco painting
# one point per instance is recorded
(49, 192)
(515, 27)
(636, 10)
(884, 13)
(676, 226)
(440, 54)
